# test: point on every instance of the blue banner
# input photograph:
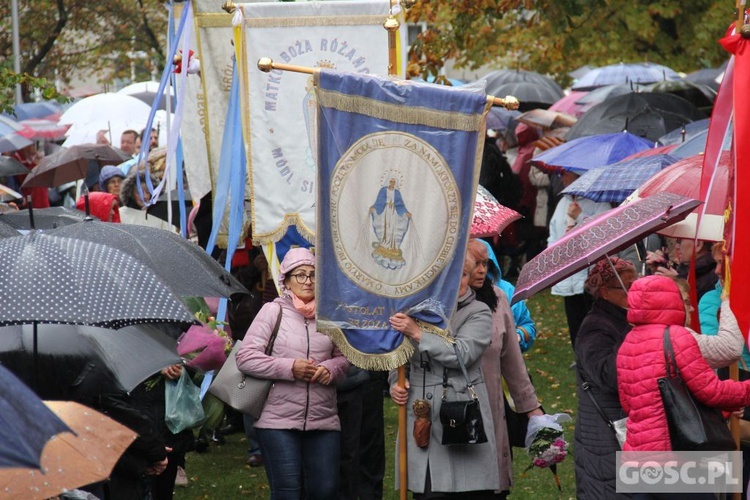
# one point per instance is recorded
(398, 165)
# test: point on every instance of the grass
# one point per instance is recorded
(221, 473)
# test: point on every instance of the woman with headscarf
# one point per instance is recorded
(437, 471)
(501, 360)
(299, 428)
(602, 332)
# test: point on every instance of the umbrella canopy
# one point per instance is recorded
(71, 164)
(52, 279)
(707, 76)
(7, 194)
(501, 119)
(684, 178)
(530, 95)
(40, 129)
(613, 183)
(624, 73)
(131, 354)
(569, 104)
(581, 71)
(601, 236)
(589, 152)
(44, 218)
(146, 92)
(658, 150)
(646, 114)
(684, 133)
(694, 146)
(11, 166)
(26, 424)
(180, 263)
(490, 217)
(44, 109)
(7, 231)
(496, 79)
(71, 459)
(700, 95)
(11, 138)
(119, 107)
(544, 118)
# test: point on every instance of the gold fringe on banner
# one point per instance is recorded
(399, 113)
(276, 236)
(384, 361)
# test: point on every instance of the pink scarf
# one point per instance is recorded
(306, 309)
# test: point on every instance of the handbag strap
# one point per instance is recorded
(469, 385)
(669, 354)
(272, 340)
(587, 389)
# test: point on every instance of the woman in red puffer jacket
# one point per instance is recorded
(655, 302)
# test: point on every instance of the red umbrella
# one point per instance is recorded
(652, 151)
(684, 178)
(490, 217)
(569, 105)
(37, 129)
(599, 237)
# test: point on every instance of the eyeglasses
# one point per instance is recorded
(302, 278)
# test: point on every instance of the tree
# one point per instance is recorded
(8, 81)
(556, 37)
(61, 37)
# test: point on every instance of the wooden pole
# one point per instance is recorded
(391, 25)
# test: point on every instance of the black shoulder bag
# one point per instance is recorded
(461, 420)
(693, 426)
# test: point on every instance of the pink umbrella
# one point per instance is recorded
(684, 178)
(652, 151)
(38, 129)
(490, 217)
(599, 237)
(569, 105)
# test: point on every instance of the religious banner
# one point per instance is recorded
(398, 170)
(282, 152)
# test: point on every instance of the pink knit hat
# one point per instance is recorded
(294, 258)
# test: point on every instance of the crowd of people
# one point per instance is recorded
(321, 432)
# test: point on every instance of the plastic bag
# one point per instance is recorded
(182, 402)
(538, 422)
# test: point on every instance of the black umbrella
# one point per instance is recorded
(71, 164)
(700, 95)
(180, 263)
(530, 95)
(44, 218)
(7, 231)
(496, 79)
(131, 354)
(52, 279)
(706, 76)
(646, 114)
(11, 166)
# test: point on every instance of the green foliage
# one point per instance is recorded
(8, 81)
(557, 37)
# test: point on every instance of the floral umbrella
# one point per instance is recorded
(490, 217)
(599, 237)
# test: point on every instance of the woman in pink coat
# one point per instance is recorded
(655, 302)
(299, 428)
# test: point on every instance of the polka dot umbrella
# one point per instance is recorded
(53, 279)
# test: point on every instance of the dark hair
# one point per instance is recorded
(133, 132)
(486, 294)
(493, 272)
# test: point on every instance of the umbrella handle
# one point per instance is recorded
(29, 202)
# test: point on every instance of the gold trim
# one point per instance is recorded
(378, 362)
(293, 219)
(295, 22)
(399, 113)
(212, 20)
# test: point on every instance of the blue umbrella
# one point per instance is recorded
(26, 424)
(622, 73)
(614, 183)
(42, 109)
(585, 153)
(691, 130)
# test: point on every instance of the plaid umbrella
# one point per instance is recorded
(614, 183)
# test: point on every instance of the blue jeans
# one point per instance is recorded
(300, 462)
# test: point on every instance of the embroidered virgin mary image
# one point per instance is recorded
(390, 221)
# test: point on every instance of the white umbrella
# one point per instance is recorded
(102, 107)
(83, 133)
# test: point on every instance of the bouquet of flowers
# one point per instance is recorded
(545, 442)
(204, 347)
